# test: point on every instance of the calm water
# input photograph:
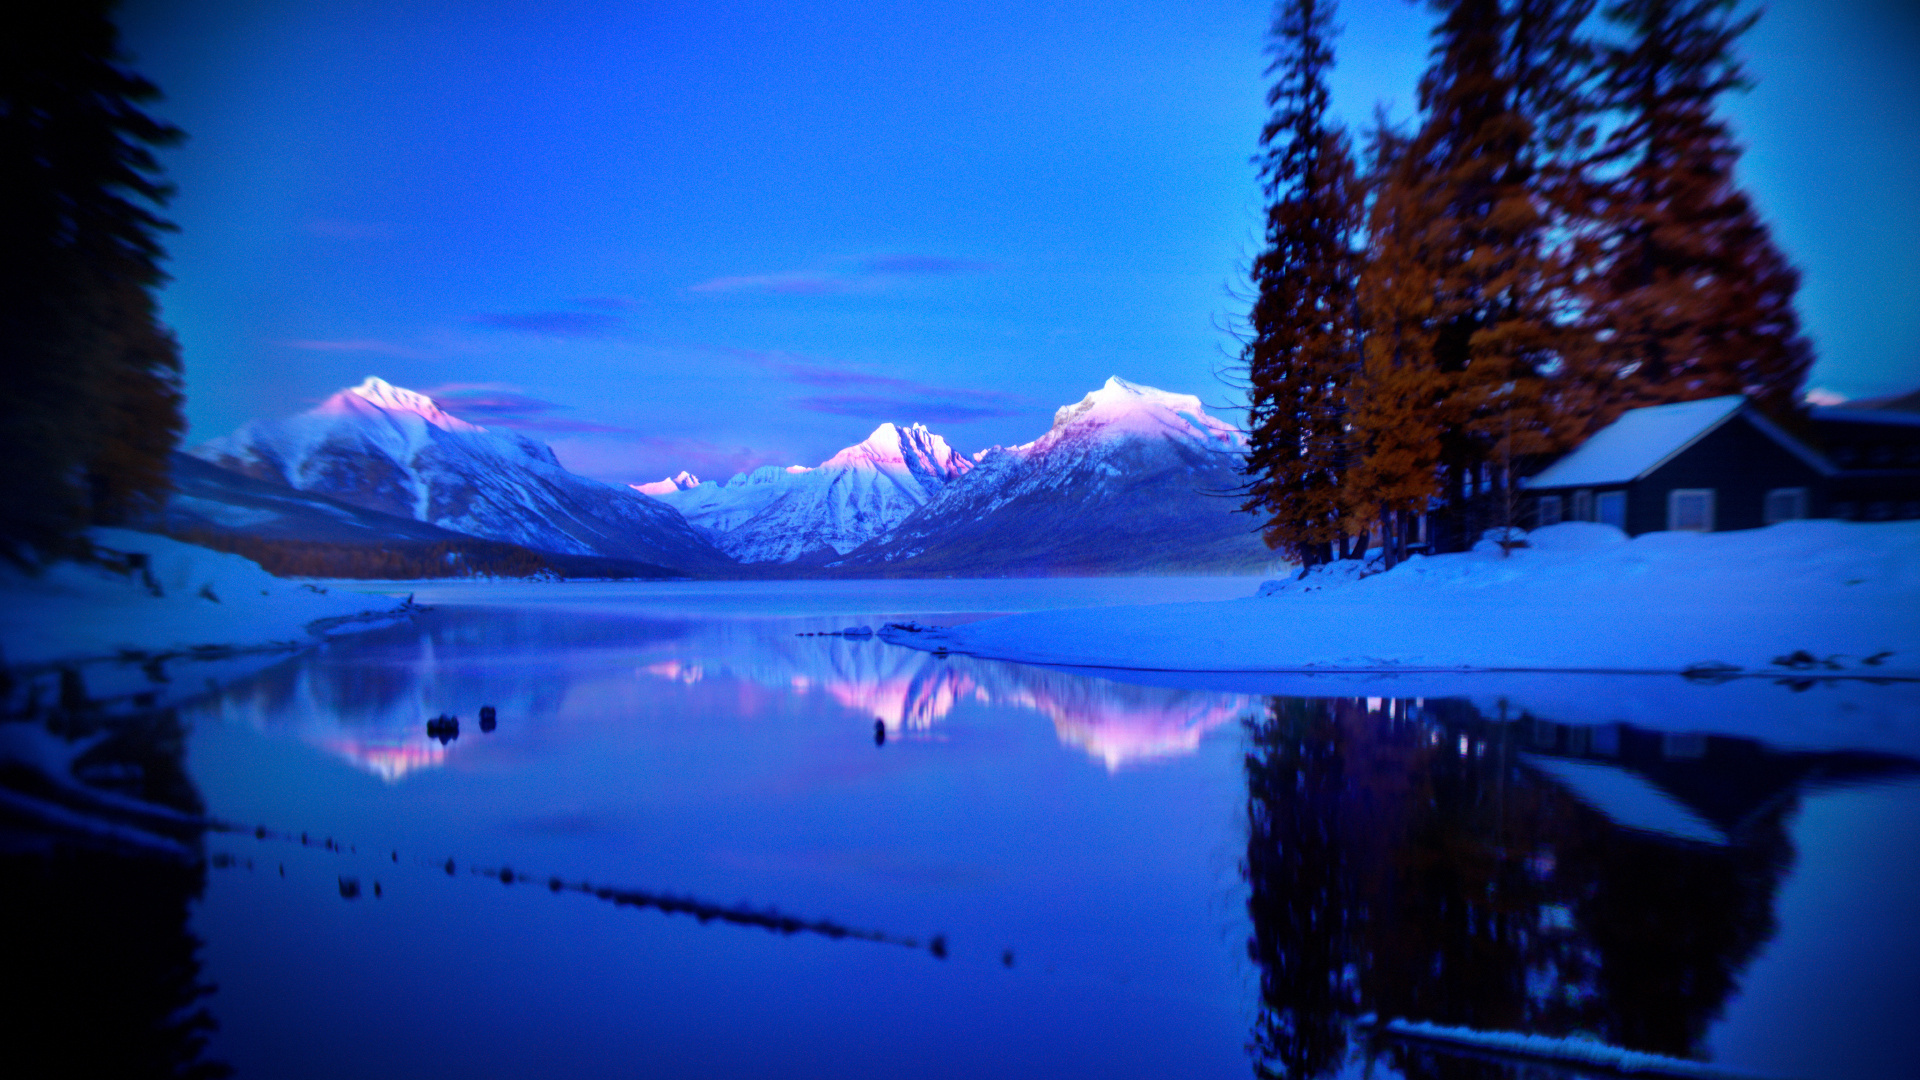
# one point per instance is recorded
(732, 847)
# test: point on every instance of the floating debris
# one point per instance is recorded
(444, 727)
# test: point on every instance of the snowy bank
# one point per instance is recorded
(1820, 597)
(186, 599)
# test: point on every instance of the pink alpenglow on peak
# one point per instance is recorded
(388, 449)
(679, 481)
(1123, 408)
(918, 450)
(390, 399)
(782, 515)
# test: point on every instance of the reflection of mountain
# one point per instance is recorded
(910, 691)
(1422, 862)
(368, 699)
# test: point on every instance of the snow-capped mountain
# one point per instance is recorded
(780, 515)
(679, 481)
(392, 450)
(1129, 479)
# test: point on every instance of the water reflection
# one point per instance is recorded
(368, 699)
(101, 858)
(1424, 861)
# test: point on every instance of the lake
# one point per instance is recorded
(706, 835)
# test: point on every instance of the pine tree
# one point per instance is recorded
(1301, 350)
(1393, 425)
(89, 377)
(1691, 299)
(1476, 225)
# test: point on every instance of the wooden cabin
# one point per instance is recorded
(1707, 466)
(1876, 458)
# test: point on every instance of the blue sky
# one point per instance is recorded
(706, 236)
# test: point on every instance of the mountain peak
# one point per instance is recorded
(391, 399)
(1124, 406)
(679, 481)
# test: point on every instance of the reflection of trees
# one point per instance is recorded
(99, 867)
(1407, 862)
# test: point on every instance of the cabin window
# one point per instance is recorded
(1549, 510)
(1785, 504)
(1611, 509)
(1583, 506)
(1843, 511)
(1690, 509)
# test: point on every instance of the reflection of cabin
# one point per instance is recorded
(1709, 788)
(1876, 455)
(1700, 465)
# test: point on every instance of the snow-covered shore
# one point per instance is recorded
(1824, 597)
(196, 600)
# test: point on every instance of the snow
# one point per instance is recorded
(1121, 408)
(1579, 599)
(1628, 800)
(779, 515)
(1573, 1049)
(393, 450)
(1868, 416)
(1640, 440)
(76, 612)
(680, 481)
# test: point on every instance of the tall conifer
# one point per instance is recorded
(1691, 299)
(89, 379)
(1394, 423)
(1468, 186)
(1301, 350)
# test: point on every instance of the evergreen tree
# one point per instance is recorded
(1393, 424)
(1301, 351)
(89, 377)
(1691, 298)
(1466, 185)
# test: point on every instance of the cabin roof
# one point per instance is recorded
(1644, 439)
(1867, 416)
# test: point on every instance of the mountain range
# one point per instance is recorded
(394, 451)
(1128, 480)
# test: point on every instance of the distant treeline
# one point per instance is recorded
(414, 559)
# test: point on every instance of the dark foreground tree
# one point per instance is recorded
(89, 379)
(1692, 299)
(1302, 351)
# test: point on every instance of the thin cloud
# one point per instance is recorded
(606, 303)
(644, 458)
(911, 409)
(501, 405)
(781, 284)
(879, 397)
(861, 275)
(371, 346)
(561, 324)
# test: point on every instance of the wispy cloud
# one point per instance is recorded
(502, 405)
(643, 458)
(878, 397)
(371, 346)
(561, 324)
(607, 303)
(918, 410)
(866, 274)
